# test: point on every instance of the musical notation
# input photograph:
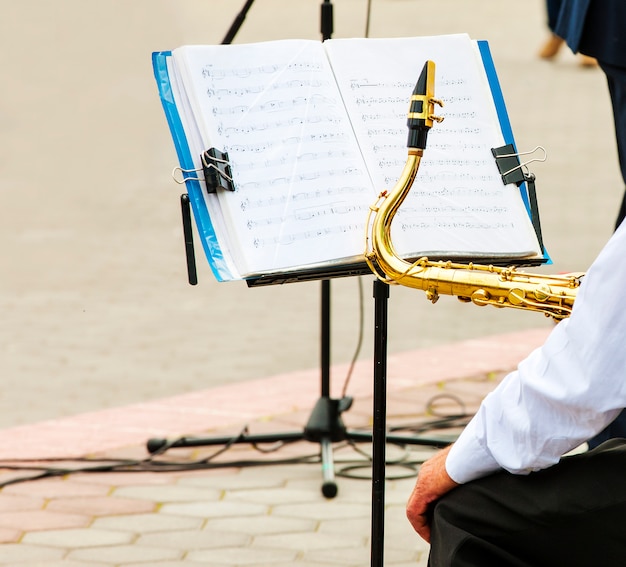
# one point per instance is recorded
(275, 105)
(227, 92)
(229, 131)
(316, 134)
(308, 214)
(447, 210)
(281, 200)
(260, 147)
(366, 83)
(218, 72)
(285, 239)
(452, 224)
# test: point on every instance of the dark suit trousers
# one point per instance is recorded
(616, 77)
(573, 514)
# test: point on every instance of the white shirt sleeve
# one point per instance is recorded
(564, 392)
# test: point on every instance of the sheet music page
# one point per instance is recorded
(221, 257)
(302, 189)
(458, 204)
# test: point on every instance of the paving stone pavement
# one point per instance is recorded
(238, 505)
(103, 345)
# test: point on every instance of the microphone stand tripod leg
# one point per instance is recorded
(329, 486)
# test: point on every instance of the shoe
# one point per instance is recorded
(586, 61)
(551, 47)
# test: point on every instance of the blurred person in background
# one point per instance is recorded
(553, 44)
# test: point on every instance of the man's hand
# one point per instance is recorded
(432, 483)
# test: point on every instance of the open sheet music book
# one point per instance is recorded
(315, 131)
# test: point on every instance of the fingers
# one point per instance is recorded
(421, 525)
(432, 483)
(417, 512)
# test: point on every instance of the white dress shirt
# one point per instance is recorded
(564, 392)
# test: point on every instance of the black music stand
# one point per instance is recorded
(325, 425)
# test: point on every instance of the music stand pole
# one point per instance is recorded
(381, 296)
(329, 486)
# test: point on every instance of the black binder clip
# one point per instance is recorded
(512, 171)
(216, 169)
(509, 166)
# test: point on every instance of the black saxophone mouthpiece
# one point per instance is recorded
(421, 108)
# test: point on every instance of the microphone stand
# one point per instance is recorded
(326, 23)
(238, 21)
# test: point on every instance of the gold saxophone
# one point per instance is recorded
(552, 295)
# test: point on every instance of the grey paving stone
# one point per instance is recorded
(273, 496)
(348, 489)
(359, 525)
(12, 554)
(234, 481)
(259, 525)
(190, 540)
(244, 557)
(63, 563)
(182, 563)
(169, 493)
(278, 473)
(214, 509)
(353, 557)
(119, 554)
(146, 523)
(77, 538)
(304, 541)
(322, 510)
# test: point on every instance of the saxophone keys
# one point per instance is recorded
(481, 297)
(432, 295)
(517, 296)
(543, 292)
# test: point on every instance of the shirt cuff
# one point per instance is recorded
(468, 459)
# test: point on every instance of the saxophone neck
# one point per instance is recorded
(381, 257)
(482, 285)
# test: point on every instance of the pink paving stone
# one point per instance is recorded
(134, 453)
(8, 535)
(6, 475)
(10, 502)
(56, 488)
(125, 479)
(101, 506)
(234, 404)
(35, 520)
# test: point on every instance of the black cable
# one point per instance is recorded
(359, 343)
(151, 465)
(367, 18)
(443, 421)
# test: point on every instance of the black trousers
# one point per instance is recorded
(616, 79)
(572, 514)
